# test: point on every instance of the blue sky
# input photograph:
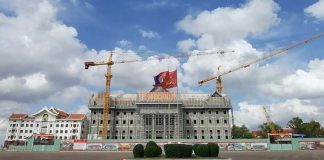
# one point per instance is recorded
(43, 45)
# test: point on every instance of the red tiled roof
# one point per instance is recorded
(18, 116)
(61, 114)
(76, 116)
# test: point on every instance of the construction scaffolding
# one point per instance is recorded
(162, 115)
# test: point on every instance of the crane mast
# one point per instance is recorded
(269, 121)
(276, 52)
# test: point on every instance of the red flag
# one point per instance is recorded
(166, 79)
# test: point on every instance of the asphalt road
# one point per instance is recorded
(236, 155)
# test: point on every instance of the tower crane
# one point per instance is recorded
(108, 76)
(272, 54)
(269, 121)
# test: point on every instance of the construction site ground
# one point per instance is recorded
(235, 155)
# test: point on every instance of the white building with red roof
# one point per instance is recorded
(46, 121)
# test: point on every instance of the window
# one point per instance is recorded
(123, 131)
(66, 125)
(66, 131)
(94, 112)
(124, 121)
(211, 137)
(130, 131)
(27, 125)
(37, 125)
(108, 121)
(57, 125)
(30, 131)
(210, 121)
(226, 131)
(101, 121)
(130, 137)
(195, 137)
(203, 137)
(61, 131)
(225, 121)
(218, 137)
(20, 137)
(60, 137)
(187, 121)
(117, 113)
(187, 113)
(131, 122)
(62, 125)
(115, 137)
(124, 113)
(123, 137)
(211, 131)
(109, 112)
(195, 131)
(131, 113)
(201, 112)
(65, 137)
(56, 131)
(26, 131)
(116, 121)
(201, 121)
(194, 112)
(21, 131)
(216, 112)
(50, 131)
(101, 112)
(202, 131)
(224, 112)
(188, 131)
(226, 137)
(116, 131)
(209, 112)
(194, 121)
(218, 131)
(100, 131)
(93, 121)
(22, 125)
(217, 121)
(51, 125)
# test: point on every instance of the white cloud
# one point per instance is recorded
(301, 84)
(186, 45)
(149, 34)
(124, 43)
(316, 10)
(223, 25)
(252, 115)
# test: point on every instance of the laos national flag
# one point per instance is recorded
(166, 79)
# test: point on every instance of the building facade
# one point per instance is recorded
(51, 121)
(162, 115)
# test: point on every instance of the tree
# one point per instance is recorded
(296, 124)
(312, 129)
(240, 132)
(265, 128)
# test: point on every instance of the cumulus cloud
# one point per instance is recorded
(222, 25)
(186, 45)
(252, 115)
(149, 34)
(303, 84)
(316, 10)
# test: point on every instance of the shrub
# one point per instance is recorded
(213, 149)
(177, 150)
(152, 150)
(194, 147)
(138, 151)
(203, 150)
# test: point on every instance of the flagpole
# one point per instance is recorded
(178, 108)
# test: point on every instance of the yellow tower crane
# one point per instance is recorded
(108, 76)
(269, 121)
(274, 53)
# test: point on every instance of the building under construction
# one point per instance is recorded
(160, 114)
